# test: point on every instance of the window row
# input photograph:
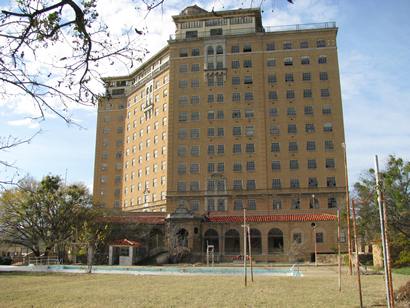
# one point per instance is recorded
(311, 183)
(289, 77)
(293, 146)
(293, 128)
(307, 110)
(290, 94)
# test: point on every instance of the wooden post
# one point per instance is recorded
(349, 240)
(385, 244)
(339, 263)
(250, 251)
(357, 255)
(244, 247)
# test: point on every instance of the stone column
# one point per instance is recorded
(110, 252)
(131, 255)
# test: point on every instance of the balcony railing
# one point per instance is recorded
(311, 26)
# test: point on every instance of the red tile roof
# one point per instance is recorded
(273, 218)
(125, 242)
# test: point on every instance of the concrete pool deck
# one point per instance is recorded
(158, 270)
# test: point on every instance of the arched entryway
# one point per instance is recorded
(275, 241)
(211, 237)
(256, 241)
(232, 242)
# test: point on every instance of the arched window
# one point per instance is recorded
(182, 237)
(156, 239)
(232, 242)
(314, 202)
(211, 237)
(210, 50)
(275, 241)
(219, 50)
(256, 242)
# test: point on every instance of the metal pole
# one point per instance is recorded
(338, 252)
(383, 235)
(357, 255)
(250, 251)
(349, 240)
(244, 247)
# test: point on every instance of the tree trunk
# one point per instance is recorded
(90, 257)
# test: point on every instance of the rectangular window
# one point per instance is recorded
(250, 166)
(210, 98)
(287, 45)
(247, 80)
(288, 61)
(236, 97)
(319, 237)
(250, 148)
(275, 165)
(249, 131)
(221, 149)
(271, 63)
(237, 184)
(290, 94)
(183, 52)
(183, 84)
(182, 133)
(194, 100)
(310, 146)
(194, 168)
(235, 49)
(181, 186)
(331, 181)
(247, 63)
(211, 115)
(320, 43)
(312, 164)
(327, 127)
(250, 185)
(304, 60)
(326, 109)
(288, 77)
(322, 60)
(237, 166)
(220, 114)
(272, 78)
(183, 68)
(236, 114)
(251, 205)
(195, 52)
(330, 163)
(181, 150)
(275, 147)
(308, 110)
(274, 130)
(211, 131)
(309, 128)
(273, 95)
(211, 149)
(220, 132)
(220, 81)
(195, 67)
(181, 168)
(293, 146)
(312, 183)
(219, 98)
(211, 81)
(291, 111)
(270, 46)
(211, 167)
(191, 34)
(195, 150)
(221, 167)
(195, 116)
(331, 203)
(307, 93)
(195, 205)
(304, 44)
(215, 32)
(247, 48)
(323, 76)
(195, 133)
(183, 117)
(248, 96)
(211, 204)
(293, 164)
(276, 184)
(292, 129)
(306, 76)
(237, 148)
(329, 145)
(238, 204)
(324, 93)
(294, 183)
(235, 64)
(249, 114)
(236, 131)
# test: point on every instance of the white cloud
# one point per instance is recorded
(29, 123)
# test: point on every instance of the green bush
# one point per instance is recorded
(5, 260)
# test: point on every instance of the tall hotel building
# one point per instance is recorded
(230, 114)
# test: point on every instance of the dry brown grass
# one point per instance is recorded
(318, 288)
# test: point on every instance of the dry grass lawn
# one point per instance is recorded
(318, 288)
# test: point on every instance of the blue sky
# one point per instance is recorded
(373, 44)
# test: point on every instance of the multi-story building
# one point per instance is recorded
(230, 114)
